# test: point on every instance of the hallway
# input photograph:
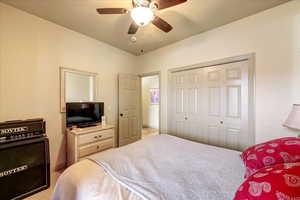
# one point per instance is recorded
(149, 132)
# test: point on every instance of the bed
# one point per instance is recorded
(160, 167)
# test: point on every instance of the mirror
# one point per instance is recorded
(77, 86)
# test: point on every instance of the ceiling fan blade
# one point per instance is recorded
(104, 11)
(133, 28)
(162, 4)
(162, 24)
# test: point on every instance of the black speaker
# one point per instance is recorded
(24, 168)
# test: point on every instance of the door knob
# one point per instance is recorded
(121, 114)
(221, 122)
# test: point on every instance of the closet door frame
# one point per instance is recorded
(247, 57)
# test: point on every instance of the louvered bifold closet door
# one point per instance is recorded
(211, 105)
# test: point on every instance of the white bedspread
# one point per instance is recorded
(167, 167)
(162, 167)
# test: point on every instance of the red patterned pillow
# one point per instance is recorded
(283, 150)
(277, 182)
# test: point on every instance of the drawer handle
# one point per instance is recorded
(98, 147)
(99, 136)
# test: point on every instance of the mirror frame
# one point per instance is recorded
(63, 71)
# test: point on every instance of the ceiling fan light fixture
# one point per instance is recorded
(142, 15)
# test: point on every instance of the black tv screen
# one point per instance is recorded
(84, 114)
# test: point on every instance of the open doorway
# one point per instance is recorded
(150, 86)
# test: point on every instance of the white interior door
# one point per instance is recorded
(214, 102)
(129, 109)
(236, 124)
(177, 105)
(211, 105)
(227, 121)
(194, 105)
(185, 104)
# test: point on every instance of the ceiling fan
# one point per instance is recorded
(143, 12)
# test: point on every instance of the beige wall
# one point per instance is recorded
(32, 50)
(274, 35)
(150, 112)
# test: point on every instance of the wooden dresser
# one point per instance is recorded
(83, 142)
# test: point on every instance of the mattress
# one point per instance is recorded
(87, 180)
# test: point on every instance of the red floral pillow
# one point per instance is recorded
(278, 182)
(284, 150)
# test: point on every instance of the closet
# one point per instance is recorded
(213, 105)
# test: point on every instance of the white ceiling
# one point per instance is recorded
(191, 18)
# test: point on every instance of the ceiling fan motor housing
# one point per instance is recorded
(144, 3)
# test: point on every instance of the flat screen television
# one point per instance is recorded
(84, 114)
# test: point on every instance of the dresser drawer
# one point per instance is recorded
(96, 136)
(96, 147)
